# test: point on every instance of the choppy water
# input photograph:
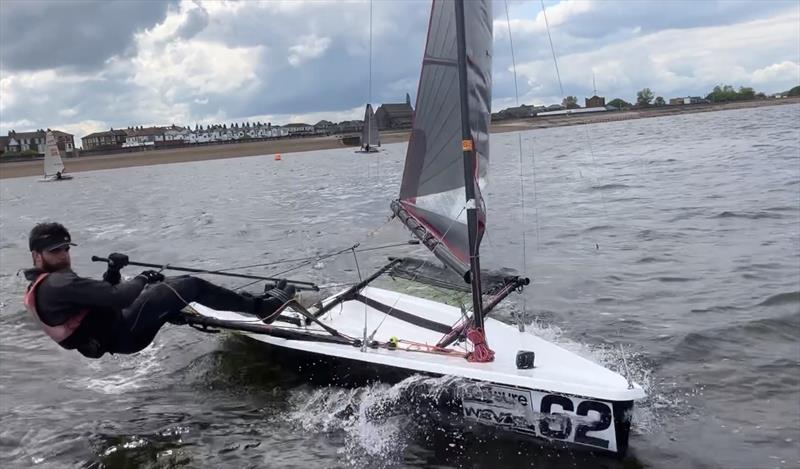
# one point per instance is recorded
(675, 239)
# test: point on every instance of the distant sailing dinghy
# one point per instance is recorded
(370, 138)
(53, 165)
(507, 378)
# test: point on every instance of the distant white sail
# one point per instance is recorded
(52, 156)
(370, 138)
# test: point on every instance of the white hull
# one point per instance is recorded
(559, 375)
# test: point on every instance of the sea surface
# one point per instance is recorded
(670, 245)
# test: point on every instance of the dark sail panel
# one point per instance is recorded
(478, 26)
(438, 115)
(432, 191)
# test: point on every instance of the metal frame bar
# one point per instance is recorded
(512, 284)
(468, 147)
(403, 315)
(350, 293)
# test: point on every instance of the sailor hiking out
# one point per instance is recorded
(96, 317)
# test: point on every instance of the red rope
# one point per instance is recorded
(481, 352)
(420, 347)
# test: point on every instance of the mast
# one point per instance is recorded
(468, 147)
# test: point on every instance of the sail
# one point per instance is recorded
(432, 200)
(52, 156)
(370, 138)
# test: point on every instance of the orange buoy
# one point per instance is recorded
(277, 156)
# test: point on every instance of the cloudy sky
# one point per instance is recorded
(85, 66)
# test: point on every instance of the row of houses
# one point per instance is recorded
(388, 117)
(688, 100)
(519, 112)
(176, 135)
(29, 142)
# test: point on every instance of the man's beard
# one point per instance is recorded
(54, 267)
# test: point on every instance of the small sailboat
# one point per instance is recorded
(53, 165)
(509, 379)
(370, 137)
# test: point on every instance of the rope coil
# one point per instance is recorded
(481, 352)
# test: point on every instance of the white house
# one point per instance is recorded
(299, 129)
(176, 134)
(139, 137)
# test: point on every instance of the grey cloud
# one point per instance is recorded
(196, 21)
(338, 79)
(98, 100)
(45, 34)
(611, 16)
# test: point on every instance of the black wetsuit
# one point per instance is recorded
(123, 317)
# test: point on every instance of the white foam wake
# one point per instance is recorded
(131, 372)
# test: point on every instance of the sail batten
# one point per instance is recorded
(432, 192)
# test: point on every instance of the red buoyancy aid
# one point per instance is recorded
(57, 333)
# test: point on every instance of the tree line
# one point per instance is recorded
(720, 94)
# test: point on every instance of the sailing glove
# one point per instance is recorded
(151, 276)
(281, 291)
(268, 305)
(117, 261)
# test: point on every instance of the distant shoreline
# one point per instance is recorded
(211, 152)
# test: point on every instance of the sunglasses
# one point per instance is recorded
(59, 250)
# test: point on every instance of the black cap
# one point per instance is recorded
(48, 237)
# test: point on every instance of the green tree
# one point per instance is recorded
(794, 91)
(619, 103)
(660, 101)
(745, 92)
(644, 97)
(725, 93)
(721, 94)
(570, 102)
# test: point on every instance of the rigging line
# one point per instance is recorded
(352, 248)
(561, 88)
(317, 258)
(310, 258)
(358, 270)
(521, 176)
(535, 201)
(369, 129)
(594, 162)
(552, 49)
(370, 54)
(298, 266)
(369, 92)
(313, 258)
(286, 261)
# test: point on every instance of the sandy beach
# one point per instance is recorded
(291, 145)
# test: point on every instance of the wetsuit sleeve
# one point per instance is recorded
(92, 293)
(112, 276)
